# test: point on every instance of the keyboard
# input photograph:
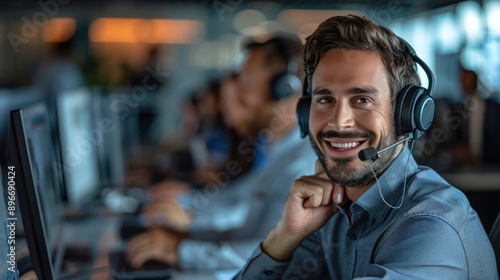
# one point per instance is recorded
(121, 269)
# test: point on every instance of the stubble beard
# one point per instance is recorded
(338, 169)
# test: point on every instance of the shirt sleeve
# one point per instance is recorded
(418, 248)
(307, 263)
(211, 255)
(219, 209)
(261, 266)
(226, 216)
(253, 206)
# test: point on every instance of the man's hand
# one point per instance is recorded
(155, 244)
(168, 190)
(167, 214)
(307, 209)
(29, 275)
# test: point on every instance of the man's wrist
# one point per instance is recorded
(280, 246)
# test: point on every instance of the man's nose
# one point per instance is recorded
(341, 117)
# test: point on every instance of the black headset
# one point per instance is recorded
(414, 111)
(286, 83)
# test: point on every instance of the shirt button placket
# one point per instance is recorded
(351, 240)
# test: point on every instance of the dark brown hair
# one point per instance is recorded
(359, 33)
(275, 59)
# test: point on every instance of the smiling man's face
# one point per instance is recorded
(351, 110)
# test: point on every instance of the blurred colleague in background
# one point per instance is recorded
(213, 133)
(476, 120)
(233, 110)
(61, 72)
(227, 219)
(213, 127)
(238, 118)
(463, 133)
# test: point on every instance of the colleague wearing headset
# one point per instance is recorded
(385, 217)
(223, 232)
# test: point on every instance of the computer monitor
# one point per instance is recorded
(110, 150)
(31, 153)
(79, 141)
(11, 99)
(8, 220)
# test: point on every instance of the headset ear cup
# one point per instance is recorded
(285, 85)
(424, 112)
(401, 112)
(414, 111)
(303, 111)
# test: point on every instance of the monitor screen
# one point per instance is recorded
(8, 220)
(11, 99)
(110, 151)
(79, 139)
(31, 153)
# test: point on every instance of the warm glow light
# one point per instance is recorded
(170, 31)
(129, 30)
(116, 30)
(304, 22)
(295, 19)
(59, 30)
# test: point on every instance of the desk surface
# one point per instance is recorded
(101, 233)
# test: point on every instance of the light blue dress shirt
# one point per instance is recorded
(230, 221)
(434, 235)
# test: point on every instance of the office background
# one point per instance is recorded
(145, 59)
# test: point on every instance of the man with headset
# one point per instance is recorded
(232, 219)
(369, 213)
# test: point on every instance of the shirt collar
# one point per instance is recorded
(391, 185)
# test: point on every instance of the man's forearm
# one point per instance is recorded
(280, 246)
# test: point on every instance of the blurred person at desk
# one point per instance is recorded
(238, 118)
(367, 214)
(202, 144)
(227, 219)
(210, 146)
(476, 120)
(211, 133)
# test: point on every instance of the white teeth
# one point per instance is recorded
(344, 145)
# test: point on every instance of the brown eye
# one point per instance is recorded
(324, 100)
(363, 100)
